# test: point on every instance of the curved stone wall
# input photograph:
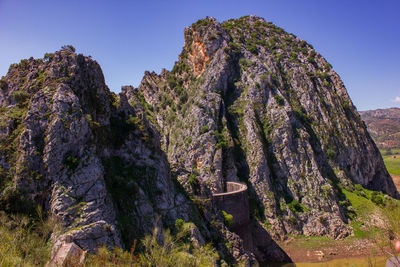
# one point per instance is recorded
(235, 202)
(255, 238)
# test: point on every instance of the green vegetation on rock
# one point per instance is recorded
(228, 218)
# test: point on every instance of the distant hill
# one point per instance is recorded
(384, 126)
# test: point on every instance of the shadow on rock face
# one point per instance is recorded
(266, 250)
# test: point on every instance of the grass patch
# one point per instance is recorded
(365, 206)
(174, 250)
(361, 205)
(25, 241)
(392, 162)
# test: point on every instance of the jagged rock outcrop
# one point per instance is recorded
(246, 102)
(88, 156)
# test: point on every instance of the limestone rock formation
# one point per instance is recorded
(246, 102)
(86, 155)
(249, 102)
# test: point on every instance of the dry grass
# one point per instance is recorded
(24, 241)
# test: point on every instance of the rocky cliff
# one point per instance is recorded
(384, 126)
(246, 102)
(88, 156)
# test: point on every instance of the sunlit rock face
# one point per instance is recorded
(255, 104)
(87, 156)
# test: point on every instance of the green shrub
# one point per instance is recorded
(301, 116)
(23, 64)
(328, 66)
(293, 56)
(48, 56)
(171, 80)
(322, 75)
(19, 96)
(253, 49)
(68, 47)
(180, 66)
(179, 224)
(71, 162)
(279, 56)
(228, 218)
(264, 78)
(13, 200)
(3, 84)
(345, 105)
(274, 78)
(279, 99)
(204, 129)
(175, 250)
(133, 121)
(188, 141)
(235, 48)
(111, 258)
(94, 125)
(376, 198)
(221, 142)
(311, 60)
(330, 153)
(201, 23)
(243, 62)
(295, 206)
(359, 190)
(192, 179)
(293, 221)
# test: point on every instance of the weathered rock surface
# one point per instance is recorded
(246, 102)
(67, 254)
(88, 156)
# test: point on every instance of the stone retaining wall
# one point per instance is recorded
(234, 202)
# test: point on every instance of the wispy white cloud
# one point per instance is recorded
(396, 99)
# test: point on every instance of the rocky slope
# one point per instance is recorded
(84, 154)
(384, 126)
(245, 102)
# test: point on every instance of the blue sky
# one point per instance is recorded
(359, 38)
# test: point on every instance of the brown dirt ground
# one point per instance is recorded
(309, 250)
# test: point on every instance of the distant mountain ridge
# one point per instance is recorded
(384, 126)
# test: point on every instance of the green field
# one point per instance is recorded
(392, 162)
